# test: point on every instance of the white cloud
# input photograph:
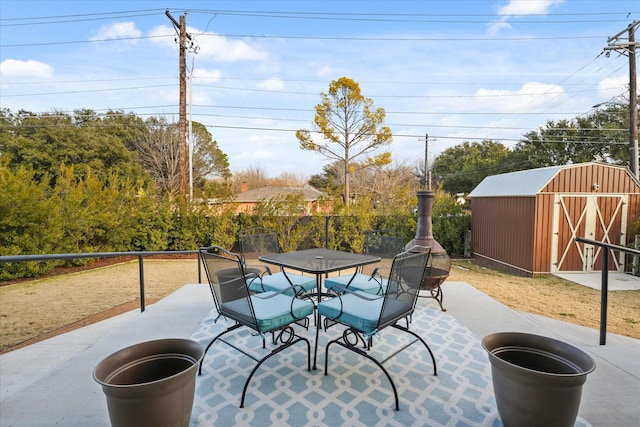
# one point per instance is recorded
(118, 30)
(519, 8)
(163, 35)
(610, 87)
(200, 98)
(25, 69)
(528, 7)
(212, 46)
(531, 97)
(225, 49)
(203, 75)
(496, 27)
(271, 84)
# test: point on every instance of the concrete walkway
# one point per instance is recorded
(616, 281)
(50, 383)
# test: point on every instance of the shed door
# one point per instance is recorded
(596, 217)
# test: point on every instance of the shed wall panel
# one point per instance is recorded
(503, 229)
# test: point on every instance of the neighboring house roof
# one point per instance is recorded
(269, 192)
(526, 183)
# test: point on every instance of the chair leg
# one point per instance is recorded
(230, 329)
(291, 341)
(361, 352)
(433, 359)
(345, 342)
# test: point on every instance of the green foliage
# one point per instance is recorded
(283, 214)
(402, 221)
(601, 136)
(30, 221)
(450, 220)
(150, 224)
(633, 230)
(460, 169)
(348, 228)
(193, 226)
(44, 142)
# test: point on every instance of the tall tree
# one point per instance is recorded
(600, 136)
(158, 152)
(43, 142)
(208, 160)
(350, 126)
(460, 168)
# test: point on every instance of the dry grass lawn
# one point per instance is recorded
(35, 310)
(554, 297)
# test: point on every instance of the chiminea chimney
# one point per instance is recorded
(440, 263)
(243, 187)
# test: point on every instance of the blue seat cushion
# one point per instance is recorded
(363, 314)
(272, 311)
(361, 282)
(350, 310)
(278, 281)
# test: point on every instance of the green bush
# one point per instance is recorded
(30, 222)
(80, 214)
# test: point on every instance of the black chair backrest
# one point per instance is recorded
(258, 241)
(228, 283)
(383, 243)
(403, 286)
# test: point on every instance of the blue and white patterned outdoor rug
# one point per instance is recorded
(356, 392)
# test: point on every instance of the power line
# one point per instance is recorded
(407, 18)
(337, 16)
(65, 19)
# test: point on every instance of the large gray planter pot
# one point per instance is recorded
(151, 383)
(537, 380)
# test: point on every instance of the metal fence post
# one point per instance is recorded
(604, 293)
(141, 269)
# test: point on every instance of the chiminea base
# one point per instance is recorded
(432, 284)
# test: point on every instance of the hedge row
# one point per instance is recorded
(87, 215)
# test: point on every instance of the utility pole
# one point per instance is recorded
(426, 179)
(629, 49)
(182, 151)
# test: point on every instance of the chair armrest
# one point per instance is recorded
(373, 273)
(266, 269)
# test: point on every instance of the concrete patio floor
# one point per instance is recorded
(50, 383)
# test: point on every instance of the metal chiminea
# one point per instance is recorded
(440, 263)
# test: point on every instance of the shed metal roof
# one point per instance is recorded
(522, 183)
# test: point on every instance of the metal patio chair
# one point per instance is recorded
(365, 315)
(269, 311)
(261, 241)
(383, 243)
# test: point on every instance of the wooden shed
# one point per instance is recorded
(526, 222)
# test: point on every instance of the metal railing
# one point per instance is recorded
(139, 254)
(604, 288)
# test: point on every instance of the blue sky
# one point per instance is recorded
(457, 70)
